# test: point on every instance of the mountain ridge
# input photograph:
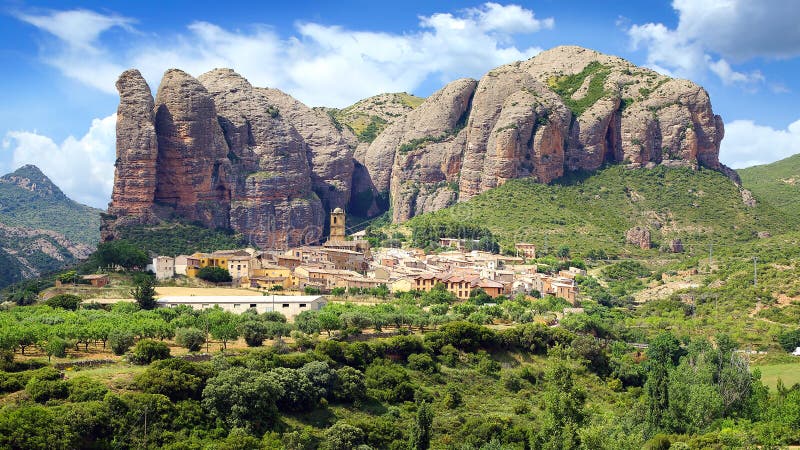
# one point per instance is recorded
(41, 229)
(219, 151)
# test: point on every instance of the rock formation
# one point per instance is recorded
(639, 236)
(137, 152)
(219, 151)
(566, 109)
(193, 168)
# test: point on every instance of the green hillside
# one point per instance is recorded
(777, 184)
(593, 212)
(41, 229)
(29, 199)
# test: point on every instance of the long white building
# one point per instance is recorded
(288, 305)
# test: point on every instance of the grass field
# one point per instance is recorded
(789, 373)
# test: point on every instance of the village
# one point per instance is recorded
(348, 264)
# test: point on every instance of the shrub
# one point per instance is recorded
(148, 350)
(349, 385)
(120, 341)
(64, 301)
(422, 362)
(12, 382)
(191, 338)
(43, 390)
(343, 436)
(174, 384)
(214, 274)
(452, 398)
(254, 332)
(789, 340)
(85, 389)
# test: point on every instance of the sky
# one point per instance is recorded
(59, 61)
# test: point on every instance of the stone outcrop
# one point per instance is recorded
(426, 166)
(676, 246)
(193, 169)
(567, 109)
(639, 237)
(137, 152)
(219, 151)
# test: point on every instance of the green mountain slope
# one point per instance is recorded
(777, 184)
(593, 212)
(29, 199)
(41, 229)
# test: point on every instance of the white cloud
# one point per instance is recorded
(747, 143)
(320, 65)
(83, 168)
(76, 52)
(712, 33)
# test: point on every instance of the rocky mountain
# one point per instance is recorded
(218, 151)
(41, 229)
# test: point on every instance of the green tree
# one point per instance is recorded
(147, 351)
(563, 411)
(254, 332)
(421, 428)
(242, 398)
(223, 325)
(343, 436)
(120, 341)
(119, 253)
(214, 274)
(191, 338)
(349, 385)
(64, 301)
(145, 293)
(328, 321)
(663, 355)
(55, 347)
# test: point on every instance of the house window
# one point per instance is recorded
(252, 305)
(239, 267)
(302, 305)
(285, 305)
(236, 306)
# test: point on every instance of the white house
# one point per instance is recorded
(163, 267)
(288, 305)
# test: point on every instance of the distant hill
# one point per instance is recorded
(594, 212)
(777, 184)
(41, 229)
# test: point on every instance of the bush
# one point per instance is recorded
(85, 389)
(254, 332)
(43, 390)
(214, 275)
(191, 338)
(118, 253)
(789, 340)
(12, 382)
(120, 341)
(174, 384)
(343, 436)
(147, 351)
(349, 385)
(423, 363)
(64, 301)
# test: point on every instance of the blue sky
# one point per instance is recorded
(59, 61)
